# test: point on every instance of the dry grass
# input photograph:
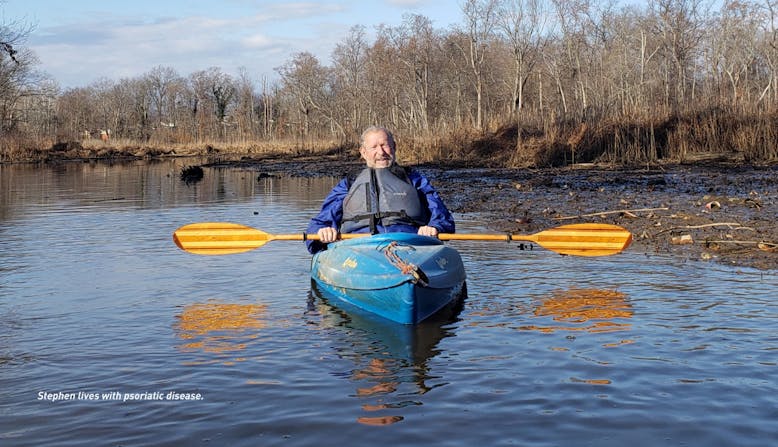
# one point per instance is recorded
(712, 133)
(212, 146)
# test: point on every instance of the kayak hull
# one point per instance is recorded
(402, 277)
(365, 333)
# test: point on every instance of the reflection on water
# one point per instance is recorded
(140, 185)
(590, 310)
(549, 350)
(219, 328)
(390, 359)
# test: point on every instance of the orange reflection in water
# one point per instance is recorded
(380, 371)
(390, 360)
(381, 420)
(591, 381)
(590, 310)
(376, 370)
(216, 327)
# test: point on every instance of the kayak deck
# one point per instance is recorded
(400, 276)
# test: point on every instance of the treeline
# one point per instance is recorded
(520, 81)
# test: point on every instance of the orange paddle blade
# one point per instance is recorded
(585, 239)
(219, 238)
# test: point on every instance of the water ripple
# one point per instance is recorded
(546, 350)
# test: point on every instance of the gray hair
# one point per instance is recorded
(372, 129)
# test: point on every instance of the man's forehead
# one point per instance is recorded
(377, 133)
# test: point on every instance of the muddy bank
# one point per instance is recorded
(710, 214)
(713, 213)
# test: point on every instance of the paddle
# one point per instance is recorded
(584, 239)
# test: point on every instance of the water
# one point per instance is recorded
(110, 335)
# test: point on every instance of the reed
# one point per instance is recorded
(713, 133)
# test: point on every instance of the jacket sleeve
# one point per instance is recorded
(330, 215)
(440, 217)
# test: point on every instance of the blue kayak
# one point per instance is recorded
(403, 277)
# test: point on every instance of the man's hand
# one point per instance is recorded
(428, 231)
(327, 234)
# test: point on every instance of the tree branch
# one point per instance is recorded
(603, 213)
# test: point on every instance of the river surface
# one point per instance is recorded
(110, 335)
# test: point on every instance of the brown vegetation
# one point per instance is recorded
(516, 83)
(710, 135)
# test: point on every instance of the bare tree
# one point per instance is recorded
(222, 89)
(75, 107)
(36, 109)
(308, 84)
(269, 111)
(480, 19)
(733, 48)
(210, 100)
(245, 109)
(350, 59)
(639, 49)
(769, 48)
(139, 95)
(523, 23)
(416, 46)
(16, 70)
(681, 26)
(164, 85)
(384, 82)
(105, 113)
(571, 16)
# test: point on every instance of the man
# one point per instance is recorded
(383, 198)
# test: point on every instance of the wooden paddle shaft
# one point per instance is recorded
(474, 237)
(441, 236)
(311, 237)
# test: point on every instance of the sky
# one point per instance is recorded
(80, 42)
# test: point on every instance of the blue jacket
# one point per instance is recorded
(331, 212)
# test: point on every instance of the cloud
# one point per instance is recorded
(257, 41)
(288, 10)
(411, 4)
(259, 35)
(77, 54)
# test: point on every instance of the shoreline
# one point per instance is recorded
(711, 213)
(706, 211)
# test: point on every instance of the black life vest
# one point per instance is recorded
(382, 197)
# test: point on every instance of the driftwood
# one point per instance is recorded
(769, 247)
(604, 213)
(731, 225)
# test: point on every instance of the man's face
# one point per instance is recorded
(377, 151)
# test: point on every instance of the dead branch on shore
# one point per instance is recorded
(769, 247)
(730, 225)
(709, 242)
(605, 213)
